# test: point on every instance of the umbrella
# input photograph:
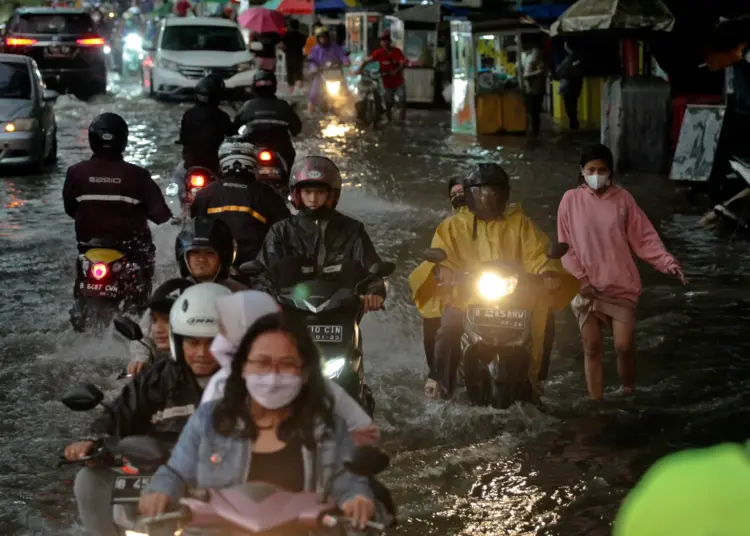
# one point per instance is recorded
(291, 7)
(259, 19)
(334, 5)
(592, 15)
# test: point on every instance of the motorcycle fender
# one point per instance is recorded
(103, 255)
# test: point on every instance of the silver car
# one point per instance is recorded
(28, 131)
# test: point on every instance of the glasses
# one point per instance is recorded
(266, 366)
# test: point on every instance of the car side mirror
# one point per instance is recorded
(128, 328)
(435, 255)
(368, 461)
(50, 95)
(252, 268)
(83, 397)
(141, 450)
(557, 250)
(382, 269)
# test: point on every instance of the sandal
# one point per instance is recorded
(432, 389)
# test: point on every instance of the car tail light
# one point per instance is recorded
(19, 42)
(99, 270)
(197, 181)
(265, 156)
(91, 42)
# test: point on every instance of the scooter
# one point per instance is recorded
(496, 344)
(272, 171)
(184, 189)
(369, 99)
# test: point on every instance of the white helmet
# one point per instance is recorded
(237, 157)
(194, 314)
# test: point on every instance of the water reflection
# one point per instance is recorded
(12, 197)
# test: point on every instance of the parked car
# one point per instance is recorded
(28, 131)
(188, 48)
(65, 45)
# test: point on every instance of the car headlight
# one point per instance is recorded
(24, 124)
(169, 65)
(333, 87)
(243, 66)
(107, 49)
(134, 41)
(492, 286)
(332, 368)
(133, 533)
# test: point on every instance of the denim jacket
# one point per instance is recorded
(206, 459)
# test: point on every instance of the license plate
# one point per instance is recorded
(273, 172)
(327, 333)
(55, 51)
(129, 487)
(98, 289)
(500, 318)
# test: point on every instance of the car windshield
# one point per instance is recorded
(15, 81)
(56, 24)
(221, 38)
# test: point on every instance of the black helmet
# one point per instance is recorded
(264, 83)
(209, 89)
(108, 133)
(206, 233)
(487, 189)
(167, 293)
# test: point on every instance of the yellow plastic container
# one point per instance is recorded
(589, 103)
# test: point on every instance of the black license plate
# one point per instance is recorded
(98, 290)
(327, 333)
(269, 171)
(129, 487)
(58, 51)
(501, 318)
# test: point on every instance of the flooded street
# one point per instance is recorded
(456, 469)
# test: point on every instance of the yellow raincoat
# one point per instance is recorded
(513, 238)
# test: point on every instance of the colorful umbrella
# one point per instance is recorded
(260, 19)
(291, 7)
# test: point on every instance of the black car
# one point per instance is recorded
(65, 45)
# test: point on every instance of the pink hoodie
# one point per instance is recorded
(602, 231)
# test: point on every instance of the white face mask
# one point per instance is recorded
(596, 182)
(273, 391)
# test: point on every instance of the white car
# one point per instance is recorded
(188, 48)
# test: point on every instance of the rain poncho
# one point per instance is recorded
(469, 242)
(319, 56)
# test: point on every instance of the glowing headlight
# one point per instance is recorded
(333, 367)
(333, 87)
(493, 287)
(134, 41)
(25, 124)
(107, 49)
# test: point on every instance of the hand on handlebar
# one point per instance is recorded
(79, 449)
(360, 509)
(372, 302)
(153, 504)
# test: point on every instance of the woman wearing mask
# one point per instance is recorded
(604, 227)
(275, 418)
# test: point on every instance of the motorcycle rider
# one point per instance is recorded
(205, 125)
(318, 232)
(156, 403)
(392, 62)
(271, 122)
(490, 229)
(321, 54)
(205, 251)
(246, 206)
(112, 200)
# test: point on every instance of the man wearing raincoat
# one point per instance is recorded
(489, 230)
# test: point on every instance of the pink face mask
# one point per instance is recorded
(273, 391)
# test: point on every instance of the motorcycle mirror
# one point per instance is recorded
(141, 450)
(172, 190)
(368, 461)
(557, 250)
(83, 397)
(127, 328)
(382, 269)
(435, 255)
(252, 268)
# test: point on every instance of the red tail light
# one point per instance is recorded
(99, 270)
(265, 156)
(129, 470)
(197, 181)
(19, 42)
(91, 42)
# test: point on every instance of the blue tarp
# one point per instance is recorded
(331, 5)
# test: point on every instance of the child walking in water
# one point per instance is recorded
(604, 227)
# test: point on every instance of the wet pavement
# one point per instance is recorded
(456, 469)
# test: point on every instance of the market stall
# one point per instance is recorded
(486, 89)
(363, 29)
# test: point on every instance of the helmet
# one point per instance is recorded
(194, 314)
(322, 30)
(108, 133)
(487, 189)
(264, 83)
(209, 89)
(314, 171)
(165, 295)
(237, 157)
(385, 36)
(206, 233)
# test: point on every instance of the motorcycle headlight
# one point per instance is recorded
(492, 286)
(333, 87)
(169, 65)
(332, 368)
(134, 42)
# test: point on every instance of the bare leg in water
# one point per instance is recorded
(593, 353)
(624, 336)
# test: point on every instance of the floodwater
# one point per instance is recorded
(456, 469)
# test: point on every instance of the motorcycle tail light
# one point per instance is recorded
(99, 270)
(129, 470)
(197, 181)
(265, 156)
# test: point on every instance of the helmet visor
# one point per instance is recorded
(487, 201)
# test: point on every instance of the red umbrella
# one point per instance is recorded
(261, 20)
(295, 7)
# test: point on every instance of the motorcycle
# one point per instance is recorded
(184, 189)
(132, 53)
(332, 311)
(107, 283)
(133, 459)
(333, 87)
(272, 171)
(496, 344)
(369, 99)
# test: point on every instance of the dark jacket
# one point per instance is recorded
(271, 123)
(203, 129)
(249, 208)
(157, 402)
(570, 73)
(112, 200)
(299, 236)
(230, 282)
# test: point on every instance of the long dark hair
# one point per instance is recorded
(313, 405)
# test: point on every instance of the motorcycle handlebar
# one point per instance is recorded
(331, 521)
